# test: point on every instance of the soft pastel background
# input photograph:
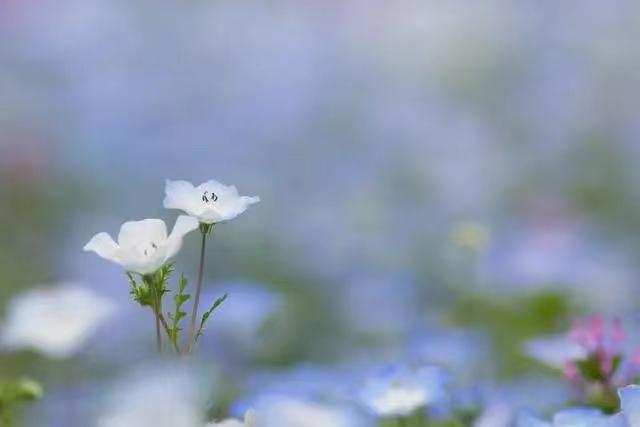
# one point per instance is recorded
(440, 180)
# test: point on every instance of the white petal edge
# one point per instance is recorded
(525, 419)
(250, 200)
(178, 194)
(630, 403)
(104, 246)
(184, 225)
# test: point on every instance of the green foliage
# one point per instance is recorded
(206, 229)
(605, 399)
(15, 392)
(179, 299)
(591, 368)
(600, 391)
(140, 292)
(419, 420)
(448, 423)
(207, 314)
(22, 390)
(510, 321)
(162, 279)
(152, 286)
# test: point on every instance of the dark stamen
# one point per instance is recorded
(212, 198)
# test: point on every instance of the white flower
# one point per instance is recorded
(209, 202)
(162, 396)
(554, 351)
(248, 422)
(227, 423)
(575, 417)
(287, 411)
(630, 404)
(629, 415)
(400, 392)
(55, 321)
(143, 246)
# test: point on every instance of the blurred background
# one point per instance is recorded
(440, 181)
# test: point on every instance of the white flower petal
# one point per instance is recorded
(134, 262)
(220, 189)
(248, 421)
(250, 418)
(577, 417)
(138, 233)
(158, 396)
(554, 351)
(528, 420)
(184, 225)
(630, 403)
(182, 195)
(617, 420)
(234, 207)
(227, 423)
(103, 245)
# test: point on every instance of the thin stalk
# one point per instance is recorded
(157, 311)
(6, 415)
(204, 229)
(158, 314)
(165, 325)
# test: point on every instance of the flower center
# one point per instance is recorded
(151, 249)
(209, 197)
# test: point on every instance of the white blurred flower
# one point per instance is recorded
(630, 404)
(209, 202)
(55, 321)
(574, 417)
(554, 351)
(400, 392)
(156, 398)
(143, 246)
(249, 421)
(280, 411)
(228, 423)
(629, 415)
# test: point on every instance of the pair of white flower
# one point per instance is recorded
(144, 246)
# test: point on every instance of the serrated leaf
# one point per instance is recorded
(207, 314)
(179, 299)
(139, 291)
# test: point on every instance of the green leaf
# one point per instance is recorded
(207, 314)
(179, 299)
(591, 368)
(139, 291)
(615, 365)
(20, 390)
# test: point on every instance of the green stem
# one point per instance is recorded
(204, 229)
(158, 314)
(172, 338)
(6, 416)
(156, 308)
